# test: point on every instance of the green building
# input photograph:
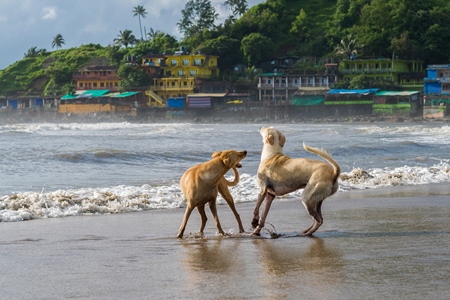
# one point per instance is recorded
(407, 74)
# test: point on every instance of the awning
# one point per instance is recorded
(85, 94)
(123, 95)
(345, 91)
(396, 93)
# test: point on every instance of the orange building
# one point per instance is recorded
(97, 78)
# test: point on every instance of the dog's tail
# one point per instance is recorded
(236, 178)
(327, 156)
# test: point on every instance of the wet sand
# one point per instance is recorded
(374, 244)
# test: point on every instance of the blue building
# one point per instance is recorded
(438, 80)
(436, 91)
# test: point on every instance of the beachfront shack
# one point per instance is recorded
(98, 101)
(345, 102)
(403, 103)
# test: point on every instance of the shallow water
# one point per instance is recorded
(59, 170)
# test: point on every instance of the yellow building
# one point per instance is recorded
(180, 73)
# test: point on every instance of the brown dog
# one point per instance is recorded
(279, 174)
(200, 185)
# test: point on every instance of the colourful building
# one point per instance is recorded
(408, 74)
(179, 73)
(436, 90)
(97, 78)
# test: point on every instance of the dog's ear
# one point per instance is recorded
(270, 139)
(216, 154)
(282, 139)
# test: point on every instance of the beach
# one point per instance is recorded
(386, 243)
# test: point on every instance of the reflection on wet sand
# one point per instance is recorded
(211, 255)
(316, 267)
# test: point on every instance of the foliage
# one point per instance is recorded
(197, 15)
(256, 48)
(238, 7)
(374, 28)
(125, 38)
(132, 78)
(226, 48)
(58, 41)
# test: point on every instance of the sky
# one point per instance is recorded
(34, 23)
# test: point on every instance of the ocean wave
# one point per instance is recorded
(125, 199)
(95, 128)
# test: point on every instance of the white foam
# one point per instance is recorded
(124, 199)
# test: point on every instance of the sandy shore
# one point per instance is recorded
(382, 243)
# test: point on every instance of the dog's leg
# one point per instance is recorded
(213, 208)
(312, 200)
(255, 220)
(262, 220)
(201, 210)
(227, 196)
(187, 213)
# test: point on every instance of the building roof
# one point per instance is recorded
(208, 95)
(396, 93)
(345, 91)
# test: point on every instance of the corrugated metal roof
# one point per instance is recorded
(85, 94)
(208, 95)
(123, 95)
(396, 93)
(344, 91)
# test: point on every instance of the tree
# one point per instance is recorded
(132, 78)
(197, 16)
(125, 38)
(301, 26)
(346, 47)
(238, 7)
(152, 33)
(32, 52)
(58, 41)
(226, 48)
(256, 47)
(140, 12)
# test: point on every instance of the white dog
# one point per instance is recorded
(279, 174)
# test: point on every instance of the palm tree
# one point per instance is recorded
(125, 38)
(238, 7)
(58, 41)
(140, 12)
(152, 34)
(32, 52)
(347, 46)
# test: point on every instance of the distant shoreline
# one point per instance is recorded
(7, 118)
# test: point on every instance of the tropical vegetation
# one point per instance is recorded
(325, 29)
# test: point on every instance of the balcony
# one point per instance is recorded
(366, 70)
(94, 77)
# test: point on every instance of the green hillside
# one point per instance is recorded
(322, 29)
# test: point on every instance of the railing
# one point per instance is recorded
(368, 70)
(95, 77)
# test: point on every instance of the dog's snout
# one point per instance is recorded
(245, 152)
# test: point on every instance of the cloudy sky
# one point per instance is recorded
(34, 23)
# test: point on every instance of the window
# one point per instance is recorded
(192, 72)
(174, 62)
(80, 85)
(180, 73)
(185, 62)
(102, 84)
(95, 84)
(197, 62)
(173, 83)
